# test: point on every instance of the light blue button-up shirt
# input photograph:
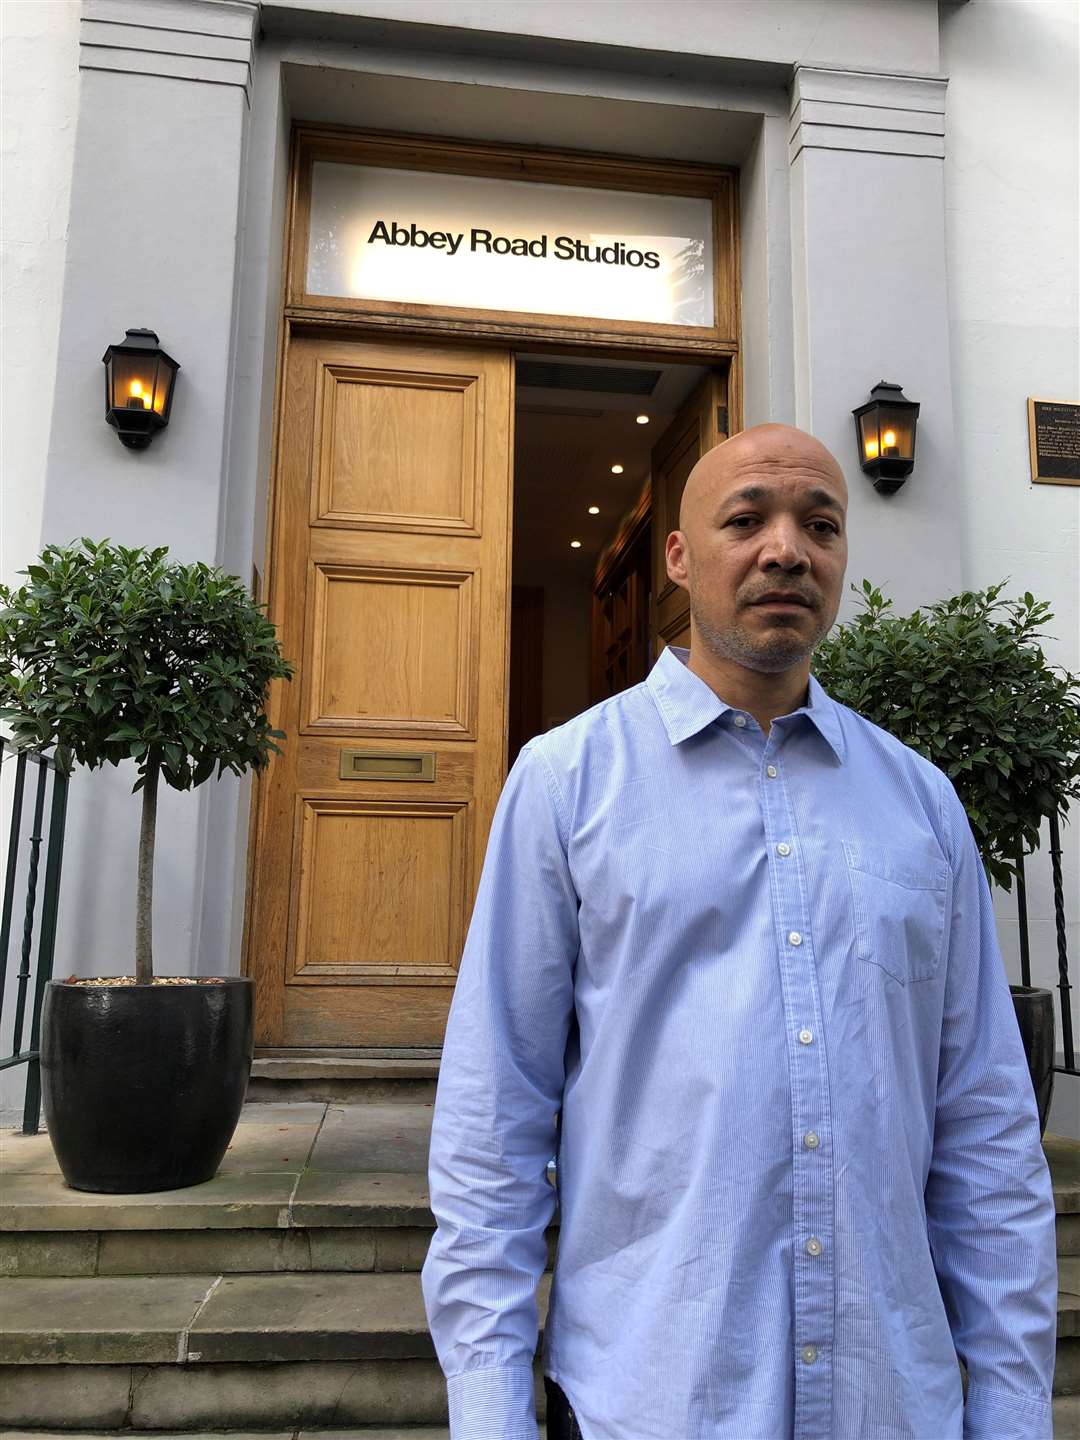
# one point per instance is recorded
(799, 1162)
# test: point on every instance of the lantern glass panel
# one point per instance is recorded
(869, 435)
(897, 432)
(162, 385)
(132, 381)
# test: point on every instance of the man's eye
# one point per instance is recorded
(830, 528)
(738, 520)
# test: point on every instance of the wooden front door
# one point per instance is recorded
(389, 587)
(700, 424)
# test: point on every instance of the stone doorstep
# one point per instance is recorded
(262, 1091)
(315, 1065)
(345, 1076)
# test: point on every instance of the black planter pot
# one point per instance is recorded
(142, 1085)
(1034, 1008)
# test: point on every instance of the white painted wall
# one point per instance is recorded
(39, 90)
(1012, 195)
(790, 32)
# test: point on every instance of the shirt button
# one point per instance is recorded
(740, 720)
(810, 1140)
(771, 771)
(805, 1036)
(813, 1246)
(795, 938)
(809, 1354)
(783, 849)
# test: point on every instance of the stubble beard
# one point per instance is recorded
(777, 650)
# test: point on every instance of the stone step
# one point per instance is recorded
(284, 1317)
(216, 1319)
(185, 1350)
(1067, 1417)
(349, 1076)
(305, 1396)
(355, 1432)
(303, 1187)
(1066, 1427)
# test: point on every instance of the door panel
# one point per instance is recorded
(389, 588)
(700, 424)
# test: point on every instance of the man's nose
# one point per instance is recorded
(784, 544)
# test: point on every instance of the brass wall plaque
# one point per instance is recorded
(387, 765)
(1054, 440)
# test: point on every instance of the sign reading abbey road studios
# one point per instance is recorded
(464, 240)
(1054, 439)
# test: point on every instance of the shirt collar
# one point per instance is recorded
(687, 704)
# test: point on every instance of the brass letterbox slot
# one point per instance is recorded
(387, 765)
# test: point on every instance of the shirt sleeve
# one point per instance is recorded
(989, 1198)
(494, 1121)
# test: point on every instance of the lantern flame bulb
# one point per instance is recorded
(871, 449)
(889, 438)
(137, 393)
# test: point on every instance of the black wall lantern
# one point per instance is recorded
(139, 380)
(885, 426)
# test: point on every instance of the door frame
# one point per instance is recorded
(302, 314)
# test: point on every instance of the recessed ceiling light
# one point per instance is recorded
(642, 419)
(594, 509)
(616, 469)
(575, 544)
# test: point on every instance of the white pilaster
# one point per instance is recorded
(154, 235)
(870, 303)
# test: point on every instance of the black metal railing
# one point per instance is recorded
(45, 923)
(1068, 1055)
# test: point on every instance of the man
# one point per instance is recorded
(741, 939)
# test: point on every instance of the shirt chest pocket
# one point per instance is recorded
(899, 895)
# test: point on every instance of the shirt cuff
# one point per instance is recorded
(496, 1402)
(992, 1414)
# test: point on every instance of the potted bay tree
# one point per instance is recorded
(965, 682)
(115, 655)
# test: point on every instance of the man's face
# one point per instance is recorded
(765, 512)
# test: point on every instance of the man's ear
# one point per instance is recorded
(676, 554)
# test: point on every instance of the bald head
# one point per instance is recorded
(767, 450)
(761, 547)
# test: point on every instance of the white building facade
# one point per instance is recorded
(905, 178)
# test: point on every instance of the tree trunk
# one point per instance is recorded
(144, 898)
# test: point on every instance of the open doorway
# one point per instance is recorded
(592, 437)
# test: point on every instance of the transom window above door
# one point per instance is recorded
(390, 225)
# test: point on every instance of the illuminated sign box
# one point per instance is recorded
(428, 238)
